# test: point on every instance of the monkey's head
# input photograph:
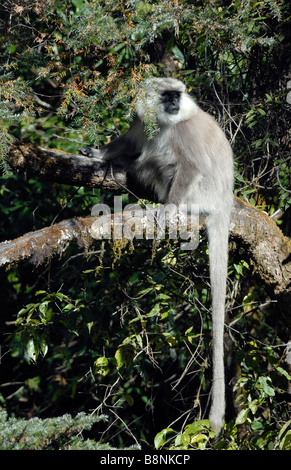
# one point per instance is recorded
(166, 100)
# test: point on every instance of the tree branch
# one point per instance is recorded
(266, 245)
(61, 167)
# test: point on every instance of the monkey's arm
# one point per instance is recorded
(181, 183)
(125, 148)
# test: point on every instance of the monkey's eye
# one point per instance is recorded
(170, 96)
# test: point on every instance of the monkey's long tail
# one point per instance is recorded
(218, 229)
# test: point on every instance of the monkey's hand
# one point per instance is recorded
(91, 153)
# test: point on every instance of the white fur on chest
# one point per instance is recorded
(156, 166)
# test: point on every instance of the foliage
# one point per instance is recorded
(126, 330)
(256, 390)
(62, 433)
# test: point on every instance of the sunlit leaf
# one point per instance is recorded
(160, 438)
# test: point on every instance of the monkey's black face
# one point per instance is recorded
(171, 101)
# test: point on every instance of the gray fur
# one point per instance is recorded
(189, 161)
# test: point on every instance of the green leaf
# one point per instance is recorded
(199, 438)
(32, 350)
(120, 357)
(257, 425)
(266, 385)
(145, 291)
(164, 296)
(69, 308)
(43, 307)
(182, 440)
(197, 426)
(89, 326)
(154, 311)
(178, 54)
(283, 372)
(139, 341)
(41, 292)
(26, 309)
(253, 406)
(160, 438)
(43, 346)
(61, 296)
(242, 416)
(285, 444)
(33, 383)
(101, 366)
(284, 428)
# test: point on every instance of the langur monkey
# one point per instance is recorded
(189, 161)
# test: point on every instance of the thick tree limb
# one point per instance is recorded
(61, 167)
(265, 243)
(269, 249)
